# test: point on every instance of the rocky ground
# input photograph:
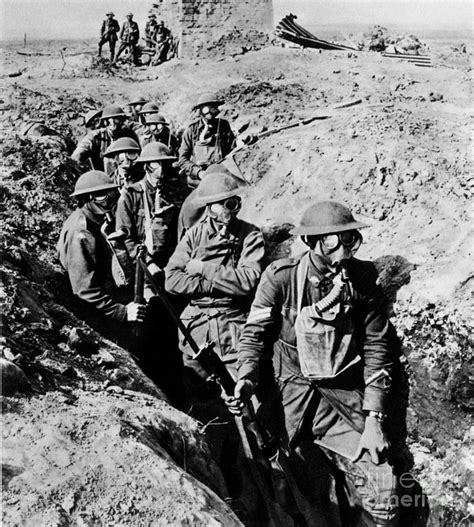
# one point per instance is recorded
(90, 441)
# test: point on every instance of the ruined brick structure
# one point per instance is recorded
(201, 23)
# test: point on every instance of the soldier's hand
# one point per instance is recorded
(373, 441)
(194, 266)
(136, 312)
(242, 393)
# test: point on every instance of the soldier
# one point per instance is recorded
(147, 213)
(86, 256)
(150, 31)
(157, 130)
(162, 39)
(129, 36)
(124, 153)
(108, 33)
(92, 119)
(152, 220)
(324, 313)
(148, 109)
(216, 267)
(206, 141)
(93, 146)
(136, 106)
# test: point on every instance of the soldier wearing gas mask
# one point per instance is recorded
(206, 141)
(321, 319)
(86, 255)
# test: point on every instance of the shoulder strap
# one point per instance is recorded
(145, 204)
(301, 273)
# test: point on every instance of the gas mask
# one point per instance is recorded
(154, 173)
(224, 211)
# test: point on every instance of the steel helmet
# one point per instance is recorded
(124, 144)
(327, 217)
(149, 107)
(155, 118)
(217, 185)
(156, 151)
(93, 181)
(208, 98)
(137, 100)
(90, 116)
(112, 111)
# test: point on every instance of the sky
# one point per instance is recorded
(72, 19)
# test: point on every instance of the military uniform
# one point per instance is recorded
(108, 33)
(196, 155)
(219, 299)
(130, 215)
(129, 36)
(166, 137)
(150, 32)
(94, 145)
(85, 255)
(219, 302)
(162, 43)
(329, 412)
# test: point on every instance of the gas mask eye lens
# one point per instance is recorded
(232, 204)
(347, 237)
(330, 241)
(101, 197)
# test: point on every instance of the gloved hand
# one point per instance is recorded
(136, 312)
(194, 266)
(373, 440)
(242, 393)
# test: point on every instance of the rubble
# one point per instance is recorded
(380, 38)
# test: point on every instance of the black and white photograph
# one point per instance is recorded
(237, 262)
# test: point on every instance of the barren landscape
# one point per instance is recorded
(89, 440)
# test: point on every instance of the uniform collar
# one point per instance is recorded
(98, 219)
(316, 270)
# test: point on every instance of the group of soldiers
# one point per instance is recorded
(306, 339)
(158, 38)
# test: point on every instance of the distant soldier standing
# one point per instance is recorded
(150, 31)
(108, 33)
(206, 141)
(91, 148)
(129, 36)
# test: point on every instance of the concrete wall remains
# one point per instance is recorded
(201, 23)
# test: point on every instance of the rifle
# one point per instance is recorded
(138, 292)
(261, 452)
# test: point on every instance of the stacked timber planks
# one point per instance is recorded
(288, 29)
(423, 61)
